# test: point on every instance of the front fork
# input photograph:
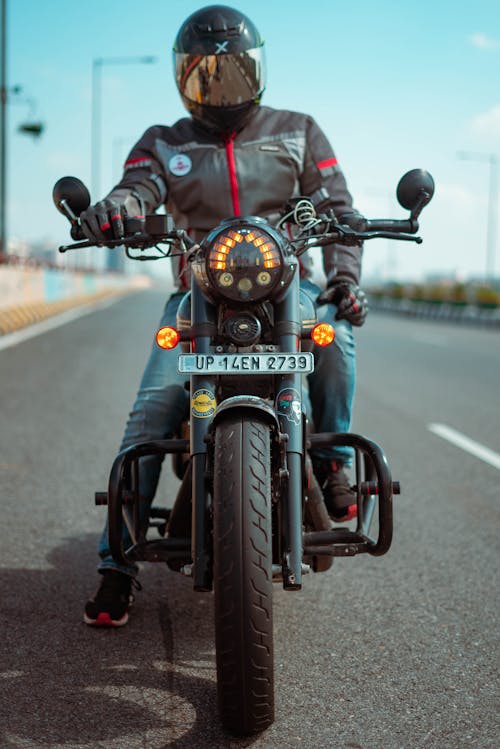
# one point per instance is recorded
(289, 411)
(202, 387)
(288, 389)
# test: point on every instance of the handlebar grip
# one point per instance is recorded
(133, 224)
(389, 224)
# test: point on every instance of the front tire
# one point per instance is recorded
(243, 574)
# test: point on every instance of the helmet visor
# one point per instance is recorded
(224, 80)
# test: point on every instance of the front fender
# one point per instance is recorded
(238, 403)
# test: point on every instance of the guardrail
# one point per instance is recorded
(456, 312)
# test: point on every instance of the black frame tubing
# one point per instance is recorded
(120, 471)
(339, 542)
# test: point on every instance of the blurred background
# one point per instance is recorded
(394, 86)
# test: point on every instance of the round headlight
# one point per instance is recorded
(244, 263)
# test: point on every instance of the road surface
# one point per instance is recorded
(391, 653)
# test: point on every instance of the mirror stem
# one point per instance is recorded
(65, 208)
(423, 199)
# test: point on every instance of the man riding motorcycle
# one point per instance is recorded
(231, 157)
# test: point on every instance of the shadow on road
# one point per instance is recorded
(65, 684)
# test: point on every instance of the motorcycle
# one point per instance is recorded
(249, 511)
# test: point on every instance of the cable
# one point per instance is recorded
(303, 215)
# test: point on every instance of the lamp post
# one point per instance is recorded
(30, 127)
(491, 238)
(95, 147)
(3, 123)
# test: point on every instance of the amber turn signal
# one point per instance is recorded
(323, 334)
(167, 338)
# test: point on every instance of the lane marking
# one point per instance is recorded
(465, 443)
(13, 339)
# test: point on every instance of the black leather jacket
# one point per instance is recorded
(203, 179)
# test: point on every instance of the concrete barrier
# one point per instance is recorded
(28, 295)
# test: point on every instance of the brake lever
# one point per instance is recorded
(65, 248)
(403, 236)
(139, 241)
(136, 241)
(341, 234)
(355, 236)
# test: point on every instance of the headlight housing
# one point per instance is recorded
(244, 260)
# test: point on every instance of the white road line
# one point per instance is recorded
(12, 339)
(465, 443)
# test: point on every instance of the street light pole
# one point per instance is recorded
(95, 133)
(492, 216)
(491, 230)
(3, 124)
(95, 137)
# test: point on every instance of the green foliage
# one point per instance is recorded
(485, 296)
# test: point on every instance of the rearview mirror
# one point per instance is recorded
(70, 191)
(415, 189)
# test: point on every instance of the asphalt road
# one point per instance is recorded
(391, 653)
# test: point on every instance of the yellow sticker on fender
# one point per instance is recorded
(203, 404)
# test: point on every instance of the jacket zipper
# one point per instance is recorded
(233, 177)
(235, 193)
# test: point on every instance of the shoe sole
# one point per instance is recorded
(350, 514)
(105, 620)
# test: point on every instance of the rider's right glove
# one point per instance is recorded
(109, 220)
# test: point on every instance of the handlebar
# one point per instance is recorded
(155, 231)
(155, 234)
(374, 229)
(409, 226)
(415, 190)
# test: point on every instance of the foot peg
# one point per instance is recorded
(101, 498)
(370, 488)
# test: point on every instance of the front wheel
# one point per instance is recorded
(242, 542)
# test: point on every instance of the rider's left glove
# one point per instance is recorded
(350, 300)
(353, 220)
(109, 220)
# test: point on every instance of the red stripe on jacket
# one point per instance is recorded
(136, 161)
(326, 163)
(233, 177)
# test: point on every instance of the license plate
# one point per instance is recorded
(249, 364)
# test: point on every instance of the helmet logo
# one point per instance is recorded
(180, 164)
(221, 47)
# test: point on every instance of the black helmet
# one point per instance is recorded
(219, 67)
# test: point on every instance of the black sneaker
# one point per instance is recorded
(340, 498)
(110, 605)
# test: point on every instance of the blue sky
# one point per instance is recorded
(394, 85)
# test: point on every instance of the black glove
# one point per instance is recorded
(349, 299)
(353, 220)
(109, 220)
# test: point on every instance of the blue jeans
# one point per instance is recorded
(331, 385)
(162, 402)
(159, 408)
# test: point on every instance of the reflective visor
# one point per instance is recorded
(224, 80)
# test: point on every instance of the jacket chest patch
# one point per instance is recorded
(180, 164)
